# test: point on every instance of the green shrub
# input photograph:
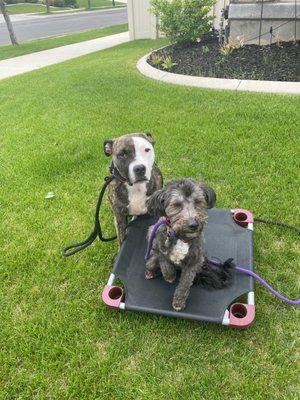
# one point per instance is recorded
(71, 3)
(20, 1)
(168, 63)
(13, 1)
(156, 59)
(183, 21)
(59, 3)
(65, 3)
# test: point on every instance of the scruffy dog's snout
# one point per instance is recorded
(186, 227)
(193, 224)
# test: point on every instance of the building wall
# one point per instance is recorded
(142, 24)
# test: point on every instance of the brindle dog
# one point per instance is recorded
(137, 176)
(179, 245)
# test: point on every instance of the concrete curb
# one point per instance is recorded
(292, 88)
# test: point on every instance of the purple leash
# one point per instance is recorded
(160, 222)
(253, 275)
(218, 263)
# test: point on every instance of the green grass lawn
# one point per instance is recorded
(30, 8)
(44, 44)
(57, 339)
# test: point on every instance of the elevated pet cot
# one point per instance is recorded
(228, 234)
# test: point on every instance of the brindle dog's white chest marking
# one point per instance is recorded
(179, 251)
(137, 198)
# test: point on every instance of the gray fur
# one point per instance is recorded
(184, 202)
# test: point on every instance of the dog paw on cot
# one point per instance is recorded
(178, 245)
(136, 176)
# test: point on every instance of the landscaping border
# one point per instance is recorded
(279, 87)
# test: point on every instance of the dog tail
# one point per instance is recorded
(214, 277)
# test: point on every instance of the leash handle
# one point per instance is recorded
(97, 231)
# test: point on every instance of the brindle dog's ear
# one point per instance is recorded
(107, 146)
(156, 203)
(209, 194)
(149, 137)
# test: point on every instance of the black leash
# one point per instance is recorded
(97, 231)
(279, 224)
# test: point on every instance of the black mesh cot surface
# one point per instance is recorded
(224, 239)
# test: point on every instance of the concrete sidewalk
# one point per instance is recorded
(33, 61)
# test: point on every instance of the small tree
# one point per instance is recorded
(8, 23)
(183, 21)
(89, 4)
(48, 6)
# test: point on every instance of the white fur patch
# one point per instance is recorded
(179, 251)
(137, 198)
(142, 157)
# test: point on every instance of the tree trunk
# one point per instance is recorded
(113, 3)
(89, 4)
(8, 23)
(47, 6)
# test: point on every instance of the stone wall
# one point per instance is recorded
(244, 20)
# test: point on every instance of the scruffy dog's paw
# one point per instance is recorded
(149, 274)
(178, 306)
(171, 278)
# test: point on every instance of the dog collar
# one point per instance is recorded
(171, 234)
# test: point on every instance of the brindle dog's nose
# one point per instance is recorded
(193, 224)
(139, 169)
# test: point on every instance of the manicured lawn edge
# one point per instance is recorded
(292, 88)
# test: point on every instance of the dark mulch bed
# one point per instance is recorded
(273, 62)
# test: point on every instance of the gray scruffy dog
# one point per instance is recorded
(179, 245)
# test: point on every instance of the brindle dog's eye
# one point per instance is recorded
(122, 154)
(197, 201)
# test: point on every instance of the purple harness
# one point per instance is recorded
(160, 222)
(218, 263)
